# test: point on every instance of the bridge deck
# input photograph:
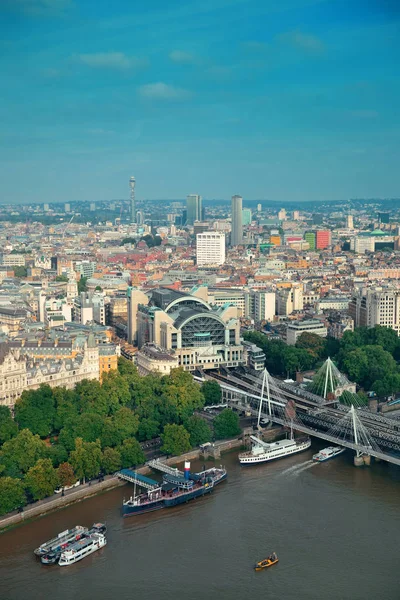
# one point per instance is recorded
(132, 476)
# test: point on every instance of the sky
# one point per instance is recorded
(285, 100)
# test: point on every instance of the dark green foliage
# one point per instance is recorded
(226, 424)
(82, 284)
(12, 495)
(36, 411)
(8, 427)
(199, 430)
(176, 440)
(212, 392)
(21, 453)
(131, 453)
(111, 460)
(41, 480)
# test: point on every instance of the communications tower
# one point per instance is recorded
(132, 183)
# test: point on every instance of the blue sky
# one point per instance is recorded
(285, 100)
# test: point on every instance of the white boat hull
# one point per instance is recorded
(252, 459)
(320, 457)
(67, 559)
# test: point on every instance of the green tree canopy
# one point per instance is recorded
(226, 424)
(313, 343)
(86, 459)
(21, 453)
(111, 460)
(20, 272)
(117, 389)
(66, 475)
(66, 406)
(212, 392)
(131, 453)
(92, 397)
(176, 440)
(148, 429)
(12, 494)
(62, 278)
(183, 393)
(8, 427)
(82, 284)
(35, 410)
(199, 430)
(42, 479)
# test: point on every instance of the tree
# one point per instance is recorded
(126, 422)
(8, 427)
(111, 460)
(92, 397)
(86, 459)
(226, 424)
(21, 453)
(12, 495)
(35, 410)
(176, 440)
(313, 343)
(148, 429)
(183, 393)
(62, 278)
(66, 475)
(117, 389)
(82, 284)
(66, 402)
(20, 272)
(212, 392)
(199, 430)
(42, 479)
(131, 453)
(297, 359)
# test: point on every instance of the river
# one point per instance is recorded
(333, 526)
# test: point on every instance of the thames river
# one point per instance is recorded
(334, 527)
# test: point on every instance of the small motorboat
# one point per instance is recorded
(267, 562)
(51, 558)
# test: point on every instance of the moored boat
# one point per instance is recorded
(174, 490)
(264, 452)
(328, 453)
(78, 550)
(58, 543)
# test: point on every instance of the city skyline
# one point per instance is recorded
(296, 102)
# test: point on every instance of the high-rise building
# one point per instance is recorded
(349, 222)
(362, 244)
(45, 207)
(296, 215)
(140, 217)
(309, 236)
(246, 216)
(132, 183)
(384, 217)
(93, 206)
(237, 225)
(259, 208)
(322, 239)
(264, 305)
(282, 214)
(193, 209)
(210, 248)
(67, 208)
(376, 306)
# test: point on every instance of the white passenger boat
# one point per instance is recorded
(82, 548)
(61, 540)
(328, 453)
(263, 452)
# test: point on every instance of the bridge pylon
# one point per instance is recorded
(328, 381)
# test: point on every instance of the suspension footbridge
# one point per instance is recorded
(315, 411)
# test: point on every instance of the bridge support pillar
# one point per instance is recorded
(358, 461)
(377, 459)
(367, 460)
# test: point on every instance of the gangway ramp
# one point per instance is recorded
(157, 465)
(144, 482)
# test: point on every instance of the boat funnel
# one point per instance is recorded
(187, 470)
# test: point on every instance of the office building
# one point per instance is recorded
(140, 217)
(45, 207)
(264, 305)
(362, 244)
(322, 239)
(200, 227)
(92, 206)
(210, 248)
(193, 209)
(289, 300)
(67, 208)
(349, 222)
(376, 306)
(246, 217)
(384, 217)
(296, 215)
(237, 225)
(132, 184)
(282, 215)
(259, 208)
(296, 328)
(310, 238)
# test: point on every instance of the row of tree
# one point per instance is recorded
(58, 436)
(368, 356)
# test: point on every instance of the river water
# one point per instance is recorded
(334, 527)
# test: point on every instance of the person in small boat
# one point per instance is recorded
(273, 556)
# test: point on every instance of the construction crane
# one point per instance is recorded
(67, 225)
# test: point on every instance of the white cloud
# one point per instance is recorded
(112, 60)
(178, 56)
(163, 91)
(304, 41)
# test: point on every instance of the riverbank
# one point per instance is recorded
(58, 502)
